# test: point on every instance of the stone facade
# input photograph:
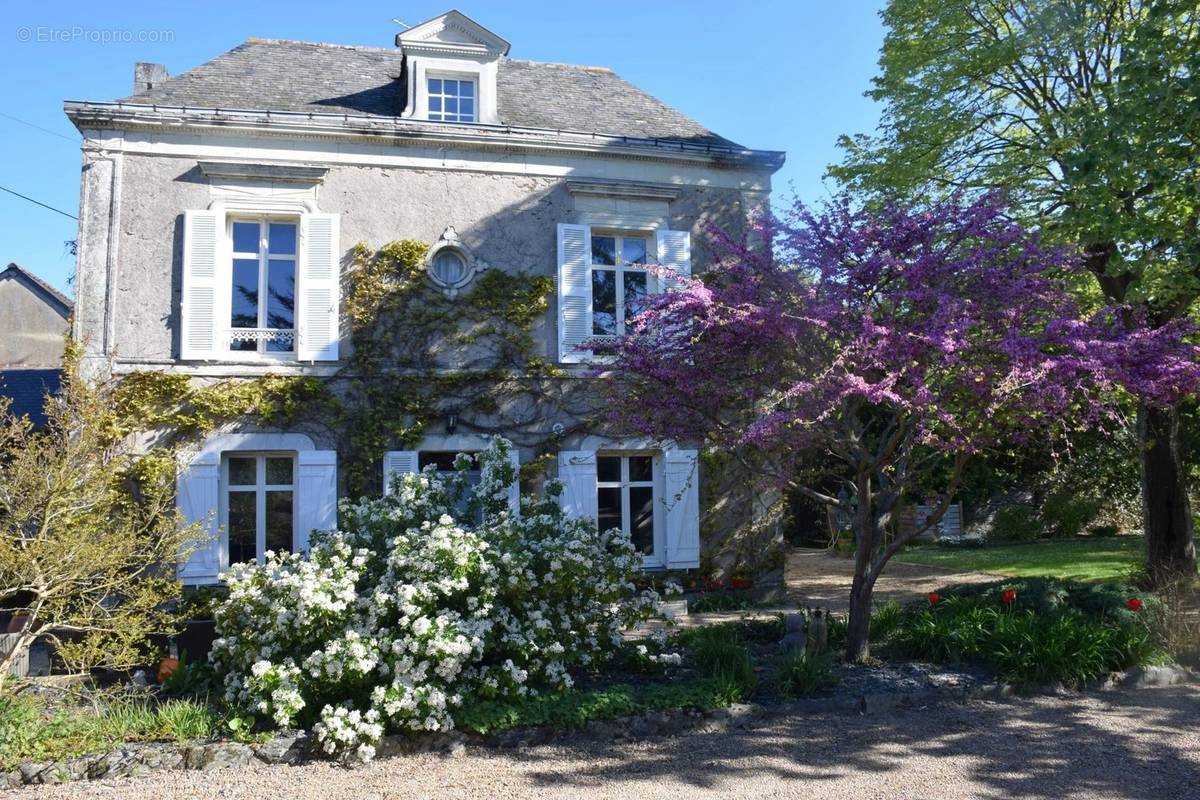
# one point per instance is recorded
(506, 193)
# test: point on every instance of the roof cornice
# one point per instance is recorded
(315, 125)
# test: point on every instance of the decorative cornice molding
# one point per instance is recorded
(277, 173)
(335, 127)
(423, 37)
(630, 189)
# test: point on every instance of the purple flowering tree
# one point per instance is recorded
(897, 345)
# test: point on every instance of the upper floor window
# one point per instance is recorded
(452, 100)
(619, 281)
(263, 287)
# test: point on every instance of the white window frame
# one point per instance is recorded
(437, 75)
(261, 487)
(620, 269)
(264, 258)
(657, 557)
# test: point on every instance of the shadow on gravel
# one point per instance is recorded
(1120, 745)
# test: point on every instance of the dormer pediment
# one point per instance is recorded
(449, 34)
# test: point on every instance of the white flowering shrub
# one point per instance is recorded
(406, 613)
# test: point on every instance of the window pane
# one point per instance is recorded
(466, 88)
(448, 267)
(604, 250)
(279, 471)
(281, 238)
(245, 237)
(281, 294)
(244, 300)
(442, 460)
(241, 471)
(608, 503)
(435, 104)
(279, 521)
(435, 86)
(635, 294)
(633, 251)
(466, 108)
(604, 302)
(451, 105)
(242, 526)
(449, 87)
(608, 469)
(641, 468)
(641, 518)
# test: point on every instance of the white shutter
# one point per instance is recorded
(197, 494)
(681, 496)
(316, 490)
(574, 291)
(318, 289)
(396, 462)
(198, 328)
(577, 471)
(675, 251)
(514, 491)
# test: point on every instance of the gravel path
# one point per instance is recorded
(1132, 746)
(822, 578)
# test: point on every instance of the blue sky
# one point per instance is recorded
(779, 75)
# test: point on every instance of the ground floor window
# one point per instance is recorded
(443, 462)
(627, 498)
(259, 504)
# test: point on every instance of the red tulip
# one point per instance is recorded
(934, 598)
(1134, 604)
(1008, 596)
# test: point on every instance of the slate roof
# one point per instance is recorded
(284, 75)
(28, 388)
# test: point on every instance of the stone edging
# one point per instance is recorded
(294, 747)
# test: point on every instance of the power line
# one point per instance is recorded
(38, 203)
(37, 127)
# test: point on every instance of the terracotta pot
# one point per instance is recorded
(166, 667)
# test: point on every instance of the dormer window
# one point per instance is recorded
(451, 62)
(452, 100)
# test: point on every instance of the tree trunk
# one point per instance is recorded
(858, 632)
(1166, 512)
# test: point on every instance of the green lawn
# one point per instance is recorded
(1074, 559)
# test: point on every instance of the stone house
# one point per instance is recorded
(34, 319)
(218, 213)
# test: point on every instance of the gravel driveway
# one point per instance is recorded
(1133, 746)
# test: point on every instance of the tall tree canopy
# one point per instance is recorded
(1087, 114)
(897, 344)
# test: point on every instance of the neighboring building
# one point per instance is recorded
(34, 319)
(218, 208)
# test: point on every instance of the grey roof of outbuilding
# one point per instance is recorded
(284, 75)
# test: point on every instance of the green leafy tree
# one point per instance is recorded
(89, 534)
(1087, 113)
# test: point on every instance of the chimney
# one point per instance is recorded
(146, 76)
